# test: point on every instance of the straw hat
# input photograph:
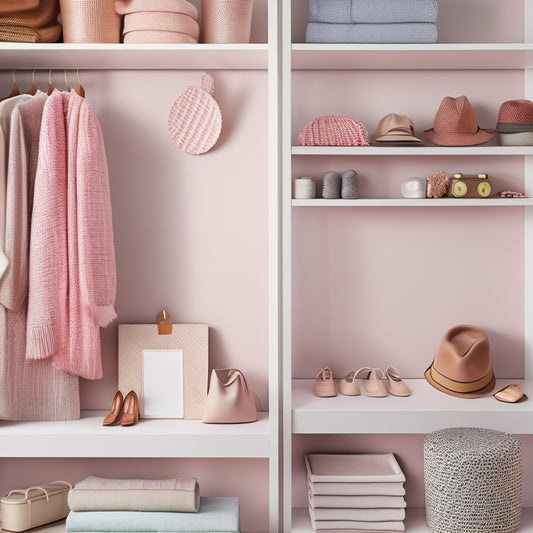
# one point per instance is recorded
(462, 365)
(455, 124)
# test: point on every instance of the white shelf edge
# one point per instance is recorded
(420, 202)
(426, 410)
(452, 56)
(412, 151)
(87, 437)
(415, 520)
(26, 56)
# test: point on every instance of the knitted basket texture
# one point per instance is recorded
(195, 120)
(473, 481)
(332, 130)
(90, 21)
(226, 21)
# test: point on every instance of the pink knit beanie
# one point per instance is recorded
(333, 130)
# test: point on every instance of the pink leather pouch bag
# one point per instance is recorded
(229, 400)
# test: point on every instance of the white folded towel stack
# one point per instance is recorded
(362, 492)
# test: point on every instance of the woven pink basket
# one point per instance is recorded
(90, 21)
(226, 21)
(195, 120)
(333, 130)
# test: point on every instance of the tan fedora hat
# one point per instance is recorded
(395, 130)
(456, 124)
(462, 366)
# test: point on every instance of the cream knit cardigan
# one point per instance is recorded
(72, 268)
(31, 390)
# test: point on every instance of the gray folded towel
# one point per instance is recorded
(372, 11)
(409, 32)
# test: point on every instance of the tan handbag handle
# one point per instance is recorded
(42, 489)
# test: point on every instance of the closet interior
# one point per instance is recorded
(287, 286)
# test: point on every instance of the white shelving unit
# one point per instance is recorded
(415, 521)
(150, 438)
(87, 438)
(427, 409)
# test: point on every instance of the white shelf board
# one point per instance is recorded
(475, 56)
(133, 56)
(149, 438)
(484, 150)
(419, 202)
(415, 520)
(426, 410)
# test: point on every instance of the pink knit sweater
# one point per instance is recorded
(72, 259)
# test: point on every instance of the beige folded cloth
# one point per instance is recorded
(44, 15)
(363, 515)
(356, 489)
(355, 525)
(122, 7)
(165, 495)
(357, 502)
(16, 26)
(161, 21)
(8, 6)
(158, 37)
(25, 34)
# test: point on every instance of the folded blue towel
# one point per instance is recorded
(412, 32)
(372, 11)
(216, 514)
(331, 11)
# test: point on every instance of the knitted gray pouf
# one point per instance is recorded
(473, 481)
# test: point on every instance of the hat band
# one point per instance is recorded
(460, 386)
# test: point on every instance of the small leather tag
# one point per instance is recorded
(164, 323)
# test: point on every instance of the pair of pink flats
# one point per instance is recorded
(374, 380)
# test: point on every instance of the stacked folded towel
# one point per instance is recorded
(360, 492)
(133, 505)
(372, 21)
(159, 21)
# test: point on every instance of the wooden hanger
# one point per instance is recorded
(79, 89)
(15, 91)
(33, 88)
(50, 89)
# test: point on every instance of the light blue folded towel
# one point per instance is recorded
(216, 514)
(412, 32)
(372, 11)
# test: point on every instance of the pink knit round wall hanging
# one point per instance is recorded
(195, 120)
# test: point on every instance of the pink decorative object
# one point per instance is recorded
(333, 130)
(437, 185)
(161, 21)
(226, 21)
(195, 120)
(123, 7)
(90, 21)
(158, 37)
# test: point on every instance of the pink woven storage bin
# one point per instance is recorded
(226, 21)
(157, 37)
(161, 21)
(90, 21)
(333, 130)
